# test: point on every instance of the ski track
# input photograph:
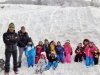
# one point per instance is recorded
(53, 23)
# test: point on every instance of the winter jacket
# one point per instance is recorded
(46, 48)
(30, 51)
(89, 51)
(59, 50)
(42, 62)
(39, 49)
(51, 59)
(52, 48)
(10, 40)
(23, 39)
(67, 48)
(79, 50)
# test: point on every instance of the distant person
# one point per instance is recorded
(78, 52)
(23, 40)
(68, 51)
(90, 48)
(53, 61)
(30, 53)
(60, 52)
(52, 47)
(85, 43)
(46, 47)
(39, 49)
(10, 39)
(42, 63)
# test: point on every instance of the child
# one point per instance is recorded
(39, 49)
(85, 43)
(89, 53)
(96, 57)
(42, 63)
(30, 52)
(60, 52)
(78, 51)
(46, 47)
(52, 61)
(52, 47)
(68, 50)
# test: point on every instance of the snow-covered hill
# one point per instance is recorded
(54, 23)
(54, 2)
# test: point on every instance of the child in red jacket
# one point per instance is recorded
(39, 49)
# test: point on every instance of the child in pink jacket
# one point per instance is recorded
(68, 50)
(89, 53)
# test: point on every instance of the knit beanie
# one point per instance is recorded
(11, 25)
(44, 53)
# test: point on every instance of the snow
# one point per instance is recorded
(74, 3)
(54, 23)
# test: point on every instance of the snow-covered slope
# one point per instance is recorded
(55, 2)
(54, 23)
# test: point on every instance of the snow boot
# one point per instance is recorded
(16, 72)
(54, 67)
(6, 73)
(41, 71)
(36, 71)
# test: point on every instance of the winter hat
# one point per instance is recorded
(53, 52)
(29, 40)
(91, 42)
(11, 25)
(68, 41)
(44, 54)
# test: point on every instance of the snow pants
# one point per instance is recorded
(7, 60)
(55, 64)
(60, 57)
(78, 58)
(89, 61)
(68, 58)
(41, 67)
(30, 60)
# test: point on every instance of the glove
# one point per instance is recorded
(65, 54)
(71, 53)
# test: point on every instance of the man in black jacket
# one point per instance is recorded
(23, 40)
(10, 39)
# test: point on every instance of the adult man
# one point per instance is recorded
(23, 40)
(10, 39)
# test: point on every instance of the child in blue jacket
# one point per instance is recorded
(30, 52)
(52, 61)
(60, 52)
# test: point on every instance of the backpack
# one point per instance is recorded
(1, 64)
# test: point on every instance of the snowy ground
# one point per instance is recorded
(54, 23)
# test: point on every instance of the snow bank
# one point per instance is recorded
(54, 23)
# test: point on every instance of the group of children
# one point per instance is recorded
(50, 54)
(88, 52)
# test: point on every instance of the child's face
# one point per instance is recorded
(42, 56)
(58, 43)
(46, 42)
(91, 45)
(30, 43)
(85, 43)
(40, 42)
(52, 55)
(80, 45)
